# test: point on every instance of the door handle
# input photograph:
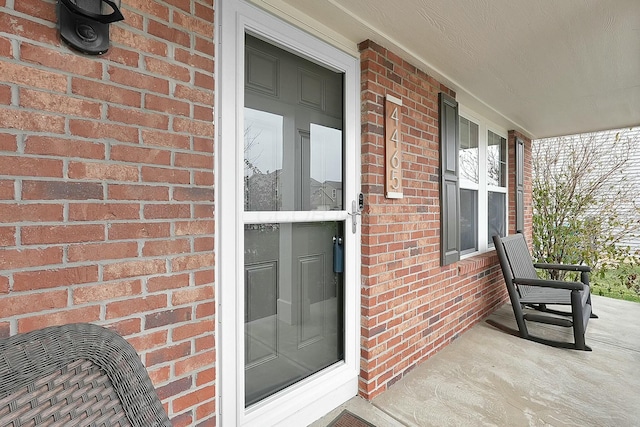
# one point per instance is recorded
(355, 211)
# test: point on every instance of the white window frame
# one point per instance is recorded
(482, 187)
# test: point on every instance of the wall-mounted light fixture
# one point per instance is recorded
(84, 24)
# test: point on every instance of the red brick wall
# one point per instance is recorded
(411, 307)
(106, 187)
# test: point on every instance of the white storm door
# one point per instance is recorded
(288, 255)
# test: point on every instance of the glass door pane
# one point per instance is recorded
(293, 304)
(292, 132)
(293, 162)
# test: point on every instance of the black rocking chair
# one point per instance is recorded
(526, 289)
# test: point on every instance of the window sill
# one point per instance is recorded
(477, 262)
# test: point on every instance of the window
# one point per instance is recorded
(496, 186)
(468, 158)
(482, 157)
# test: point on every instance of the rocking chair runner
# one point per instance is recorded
(75, 375)
(526, 289)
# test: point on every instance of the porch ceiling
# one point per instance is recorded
(544, 67)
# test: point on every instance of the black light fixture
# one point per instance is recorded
(84, 24)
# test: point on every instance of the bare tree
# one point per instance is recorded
(585, 200)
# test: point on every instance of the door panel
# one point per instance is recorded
(261, 280)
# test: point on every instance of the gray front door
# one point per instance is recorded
(293, 158)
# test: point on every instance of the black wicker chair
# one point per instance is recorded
(527, 290)
(75, 375)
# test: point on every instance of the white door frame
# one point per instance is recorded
(312, 397)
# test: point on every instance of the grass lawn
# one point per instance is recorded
(611, 285)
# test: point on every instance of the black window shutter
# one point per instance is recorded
(519, 185)
(449, 183)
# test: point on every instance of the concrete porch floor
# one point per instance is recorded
(490, 378)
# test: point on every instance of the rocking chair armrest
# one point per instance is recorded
(566, 267)
(556, 284)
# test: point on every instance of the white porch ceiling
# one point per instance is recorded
(544, 67)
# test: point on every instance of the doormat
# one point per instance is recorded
(348, 419)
